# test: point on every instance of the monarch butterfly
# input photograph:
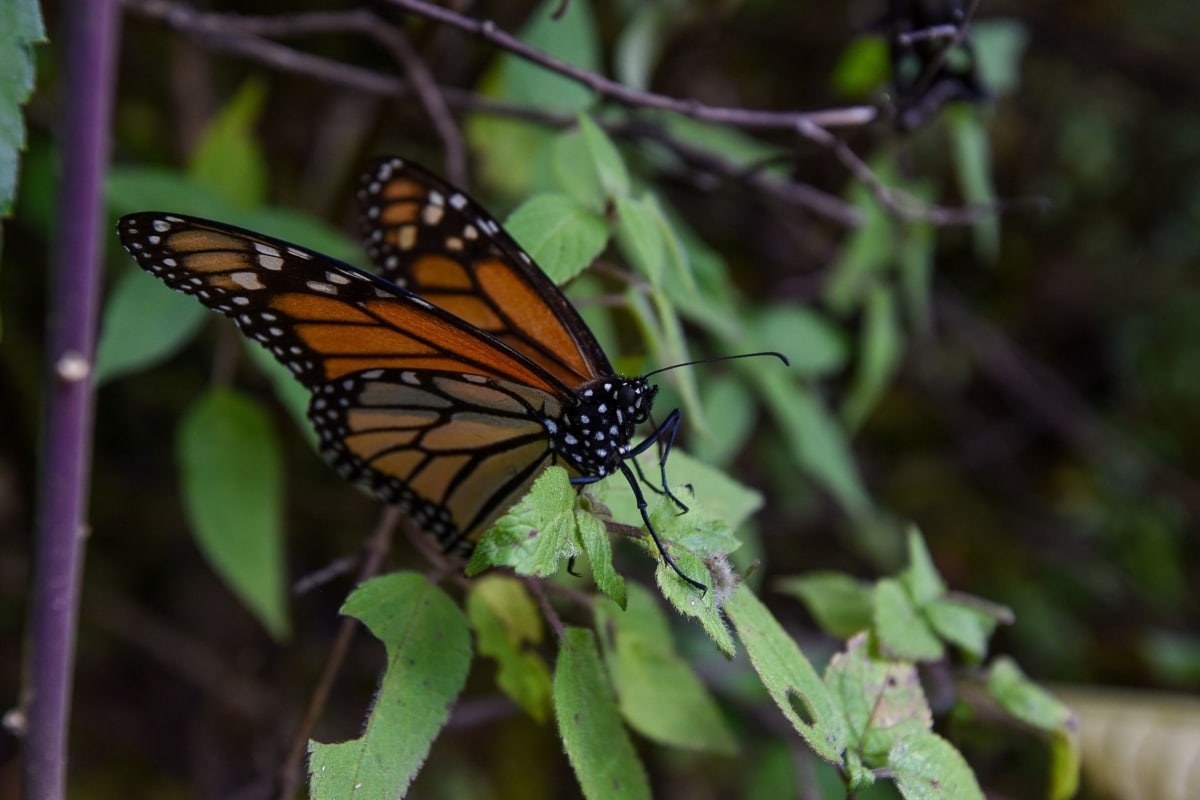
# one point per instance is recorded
(444, 386)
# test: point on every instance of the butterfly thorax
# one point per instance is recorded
(593, 436)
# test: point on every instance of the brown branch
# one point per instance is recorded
(242, 35)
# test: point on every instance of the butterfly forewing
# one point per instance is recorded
(321, 318)
(431, 238)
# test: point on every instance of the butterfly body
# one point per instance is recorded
(444, 385)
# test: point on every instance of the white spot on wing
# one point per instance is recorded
(247, 280)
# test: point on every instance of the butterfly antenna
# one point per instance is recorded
(771, 353)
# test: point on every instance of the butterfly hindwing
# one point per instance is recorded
(434, 240)
(453, 449)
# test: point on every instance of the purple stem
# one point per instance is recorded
(87, 46)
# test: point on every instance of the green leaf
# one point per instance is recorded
(640, 45)
(839, 603)
(863, 67)
(815, 346)
(901, 629)
(508, 628)
(728, 399)
(594, 538)
(571, 37)
(574, 172)
(999, 46)
(228, 159)
(536, 533)
(132, 189)
(927, 767)
(289, 391)
(559, 233)
(658, 693)
(920, 578)
(428, 655)
(963, 625)
(867, 251)
(21, 27)
(143, 323)
(816, 440)
(514, 148)
(879, 355)
(973, 168)
(606, 159)
(1025, 700)
(789, 677)
(914, 262)
(639, 236)
(232, 477)
(882, 700)
(596, 742)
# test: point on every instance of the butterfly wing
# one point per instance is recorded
(432, 239)
(407, 399)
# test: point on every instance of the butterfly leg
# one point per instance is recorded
(669, 428)
(641, 504)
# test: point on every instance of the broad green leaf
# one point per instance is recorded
(571, 37)
(813, 344)
(131, 189)
(639, 236)
(964, 626)
(658, 693)
(229, 160)
(815, 439)
(999, 47)
(232, 479)
(606, 159)
(596, 742)
(428, 646)
(863, 67)
(920, 578)
(593, 536)
(289, 391)
(839, 603)
(640, 45)
(144, 323)
(901, 629)
(507, 628)
(21, 27)
(927, 767)
(914, 261)
(560, 234)
(574, 173)
(1025, 700)
(866, 252)
(882, 347)
(536, 533)
(882, 700)
(789, 677)
(973, 168)
(514, 148)
(728, 399)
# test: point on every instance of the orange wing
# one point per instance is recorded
(432, 239)
(408, 400)
(321, 318)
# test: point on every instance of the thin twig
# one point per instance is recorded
(431, 96)
(375, 551)
(242, 35)
(535, 588)
(853, 117)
